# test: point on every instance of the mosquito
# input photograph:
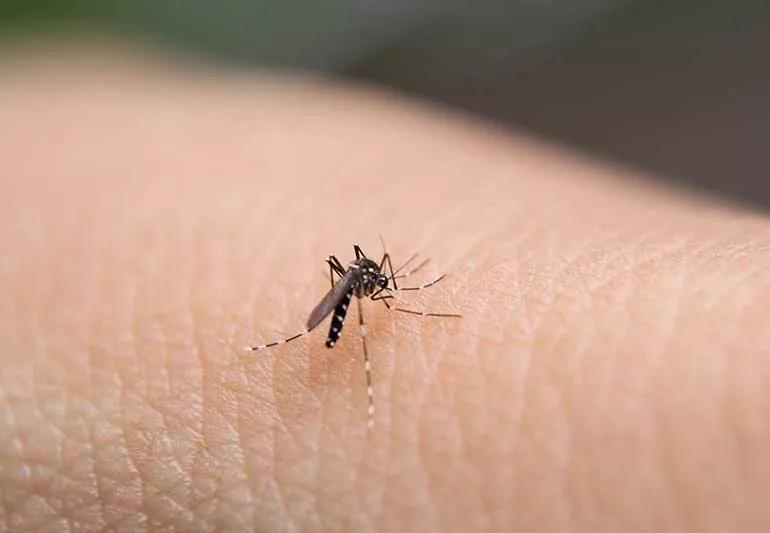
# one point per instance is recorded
(363, 278)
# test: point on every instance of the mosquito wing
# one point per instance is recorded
(330, 301)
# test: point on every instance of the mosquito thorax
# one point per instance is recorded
(368, 276)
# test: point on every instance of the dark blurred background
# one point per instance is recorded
(680, 88)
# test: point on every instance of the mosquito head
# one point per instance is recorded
(382, 281)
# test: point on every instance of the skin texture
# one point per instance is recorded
(610, 373)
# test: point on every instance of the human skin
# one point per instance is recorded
(611, 371)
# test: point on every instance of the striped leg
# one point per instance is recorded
(276, 343)
(394, 275)
(367, 367)
(421, 287)
(412, 271)
(413, 312)
(334, 266)
(386, 259)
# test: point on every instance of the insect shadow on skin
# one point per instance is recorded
(363, 278)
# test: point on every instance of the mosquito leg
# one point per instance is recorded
(420, 313)
(337, 265)
(423, 313)
(383, 297)
(276, 343)
(377, 292)
(415, 269)
(386, 259)
(392, 274)
(376, 296)
(359, 253)
(331, 273)
(384, 248)
(421, 287)
(367, 367)
(334, 267)
(399, 269)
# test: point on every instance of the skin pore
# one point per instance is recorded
(610, 371)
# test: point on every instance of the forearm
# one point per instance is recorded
(609, 372)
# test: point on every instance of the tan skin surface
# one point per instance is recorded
(611, 371)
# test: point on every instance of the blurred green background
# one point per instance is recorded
(680, 88)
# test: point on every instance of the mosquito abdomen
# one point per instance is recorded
(338, 319)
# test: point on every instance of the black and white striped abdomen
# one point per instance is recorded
(338, 318)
